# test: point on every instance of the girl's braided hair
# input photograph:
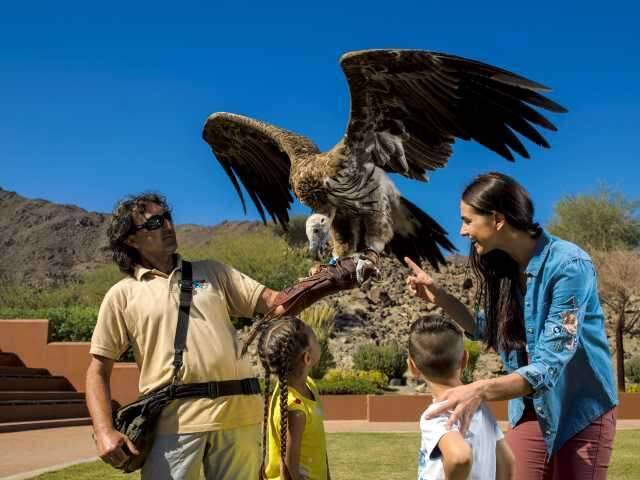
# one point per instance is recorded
(280, 345)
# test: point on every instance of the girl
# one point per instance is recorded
(293, 417)
(538, 306)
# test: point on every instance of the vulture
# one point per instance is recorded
(407, 109)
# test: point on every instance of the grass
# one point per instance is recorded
(391, 456)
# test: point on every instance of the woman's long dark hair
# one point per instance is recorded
(280, 345)
(497, 273)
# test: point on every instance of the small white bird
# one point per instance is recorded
(317, 228)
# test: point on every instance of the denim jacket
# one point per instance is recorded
(569, 368)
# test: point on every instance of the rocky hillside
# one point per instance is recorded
(44, 243)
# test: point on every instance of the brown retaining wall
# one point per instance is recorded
(28, 340)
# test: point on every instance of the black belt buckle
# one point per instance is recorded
(213, 389)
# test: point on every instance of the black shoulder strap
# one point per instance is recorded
(186, 293)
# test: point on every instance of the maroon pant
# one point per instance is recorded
(585, 456)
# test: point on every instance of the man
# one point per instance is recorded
(219, 434)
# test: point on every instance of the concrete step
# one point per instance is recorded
(14, 370)
(6, 427)
(41, 395)
(33, 383)
(8, 359)
(35, 410)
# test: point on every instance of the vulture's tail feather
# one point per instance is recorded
(418, 236)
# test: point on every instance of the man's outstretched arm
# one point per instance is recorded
(327, 280)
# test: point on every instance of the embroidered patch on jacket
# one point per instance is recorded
(570, 325)
(570, 322)
(201, 284)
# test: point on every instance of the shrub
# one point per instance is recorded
(390, 359)
(375, 377)
(320, 318)
(632, 369)
(633, 388)
(354, 386)
(89, 290)
(73, 324)
(474, 349)
(261, 254)
(296, 234)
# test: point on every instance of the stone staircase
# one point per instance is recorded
(32, 398)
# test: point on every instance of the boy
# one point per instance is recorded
(437, 354)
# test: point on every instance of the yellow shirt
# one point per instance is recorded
(313, 451)
(142, 310)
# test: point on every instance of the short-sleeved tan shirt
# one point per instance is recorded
(143, 311)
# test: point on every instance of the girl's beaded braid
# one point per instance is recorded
(279, 347)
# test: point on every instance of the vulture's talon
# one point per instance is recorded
(366, 270)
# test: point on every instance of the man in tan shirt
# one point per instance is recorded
(221, 434)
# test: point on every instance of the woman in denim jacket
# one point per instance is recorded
(537, 305)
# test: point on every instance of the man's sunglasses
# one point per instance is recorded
(153, 223)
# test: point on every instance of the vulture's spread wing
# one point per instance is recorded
(409, 106)
(260, 155)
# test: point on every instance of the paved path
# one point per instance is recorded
(27, 454)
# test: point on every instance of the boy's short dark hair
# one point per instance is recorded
(436, 345)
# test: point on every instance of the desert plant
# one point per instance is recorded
(320, 318)
(474, 349)
(390, 359)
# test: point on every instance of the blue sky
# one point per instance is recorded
(100, 100)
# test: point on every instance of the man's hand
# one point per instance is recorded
(268, 301)
(111, 446)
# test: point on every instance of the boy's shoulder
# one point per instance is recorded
(436, 423)
(482, 419)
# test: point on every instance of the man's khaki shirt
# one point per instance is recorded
(142, 311)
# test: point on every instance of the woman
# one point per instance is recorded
(537, 305)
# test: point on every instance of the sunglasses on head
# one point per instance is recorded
(153, 223)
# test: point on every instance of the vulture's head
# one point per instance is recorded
(317, 228)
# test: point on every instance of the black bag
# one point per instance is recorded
(137, 420)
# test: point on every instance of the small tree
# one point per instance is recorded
(601, 221)
(619, 283)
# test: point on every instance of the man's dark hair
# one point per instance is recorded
(121, 227)
(436, 346)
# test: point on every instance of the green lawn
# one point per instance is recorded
(391, 456)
